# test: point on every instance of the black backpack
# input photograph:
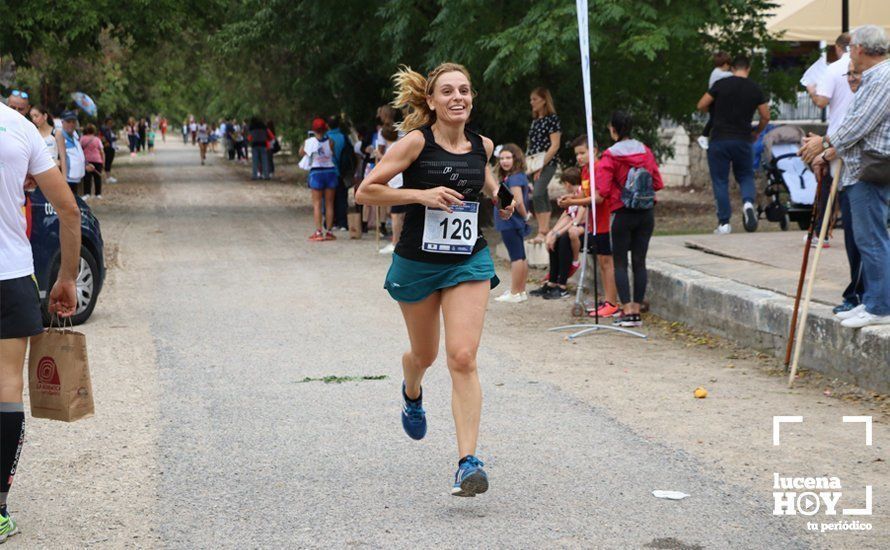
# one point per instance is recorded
(346, 163)
(639, 190)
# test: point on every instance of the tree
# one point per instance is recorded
(292, 60)
(651, 58)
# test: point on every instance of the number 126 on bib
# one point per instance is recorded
(453, 233)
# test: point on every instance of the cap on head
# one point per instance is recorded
(319, 125)
(69, 115)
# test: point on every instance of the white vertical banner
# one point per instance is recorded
(584, 42)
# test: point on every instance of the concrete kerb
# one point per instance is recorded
(760, 319)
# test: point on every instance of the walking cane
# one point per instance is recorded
(803, 271)
(377, 226)
(806, 301)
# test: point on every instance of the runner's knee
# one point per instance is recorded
(462, 360)
(422, 360)
(11, 387)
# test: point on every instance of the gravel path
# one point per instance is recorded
(207, 435)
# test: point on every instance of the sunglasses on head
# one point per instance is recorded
(21, 94)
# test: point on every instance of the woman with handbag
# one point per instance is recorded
(441, 267)
(544, 138)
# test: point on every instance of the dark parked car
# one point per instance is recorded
(43, 231)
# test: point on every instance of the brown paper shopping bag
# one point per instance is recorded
(355, 225)
(59, 376)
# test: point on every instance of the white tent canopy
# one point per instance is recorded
(816, 20)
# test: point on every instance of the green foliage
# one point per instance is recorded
(291, 60)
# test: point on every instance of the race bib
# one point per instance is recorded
(453, 233)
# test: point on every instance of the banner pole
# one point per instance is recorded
(584, 43)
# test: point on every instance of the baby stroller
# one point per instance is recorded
(790, 184)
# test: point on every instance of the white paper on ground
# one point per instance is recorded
(671, 495)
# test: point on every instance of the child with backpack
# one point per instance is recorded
(627, 177)
(600, 241)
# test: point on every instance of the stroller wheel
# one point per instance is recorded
(577, 310)
(783, 223)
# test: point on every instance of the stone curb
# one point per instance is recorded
(760, 319)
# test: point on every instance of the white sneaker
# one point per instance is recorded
(503, 296)
(749, 216)
(703, 142)
(99, 197)
(723, 229)
(842, 315)
(84, 198)
(865, 319)
(512, 298)
(388, 249)
(112, 179)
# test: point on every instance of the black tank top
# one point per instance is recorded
(436, 167)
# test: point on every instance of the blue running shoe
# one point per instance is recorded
(413, 415)
(470, 479)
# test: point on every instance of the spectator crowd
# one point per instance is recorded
(613, 217)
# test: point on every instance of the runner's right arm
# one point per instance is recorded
(62, 298)
(375, 191)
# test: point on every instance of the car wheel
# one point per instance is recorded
(86, 288)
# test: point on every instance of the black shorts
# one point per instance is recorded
(599, 244)
(398, 209)
(20, 308)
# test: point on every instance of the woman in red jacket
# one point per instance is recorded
(627, 177)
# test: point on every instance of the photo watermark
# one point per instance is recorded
(809, 496)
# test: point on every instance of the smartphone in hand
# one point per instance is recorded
(505, 197)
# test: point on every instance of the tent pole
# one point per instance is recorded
(845, 15)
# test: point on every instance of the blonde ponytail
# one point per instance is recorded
(412, 89)
(411, 94)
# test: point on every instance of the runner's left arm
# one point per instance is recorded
(62, 298)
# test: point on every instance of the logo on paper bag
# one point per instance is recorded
(48, 377)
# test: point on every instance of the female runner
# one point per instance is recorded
(441, 262)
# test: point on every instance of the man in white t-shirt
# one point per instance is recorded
(24, 155)
(832, 91)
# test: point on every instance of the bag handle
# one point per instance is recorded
(61, 323)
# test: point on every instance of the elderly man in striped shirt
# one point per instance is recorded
(863, 142)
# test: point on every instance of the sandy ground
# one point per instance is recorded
(216, 309)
